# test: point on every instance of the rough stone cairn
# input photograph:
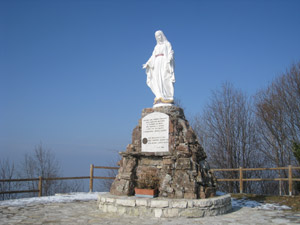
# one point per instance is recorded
(181, 172)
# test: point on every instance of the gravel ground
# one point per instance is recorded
(86, 212)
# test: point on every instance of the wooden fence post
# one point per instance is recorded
(241, 180)
(91, 177)
(40, 186)
(290, 181)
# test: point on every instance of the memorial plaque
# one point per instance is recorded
(155, 132)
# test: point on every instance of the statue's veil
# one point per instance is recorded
(163, 36)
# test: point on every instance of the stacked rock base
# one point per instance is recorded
(164, 207)
(182, 171)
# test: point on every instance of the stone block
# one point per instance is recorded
(183, 147)
(159, 203)
(170, 212)
(151, 162)
(125, 176)
(169, 190)
(147, 111)
(190, 195)
(141, 202)
(103, 208)
(126, 202)
(179, 204)
(110, 200)
(168, 168)
(112, 209)
(191, 213)
(190, 136)
(183, 164)
(202, 203)
(166, 180)
(121, 210)
(129, 164)
(121, 187)
(178, 194)
(227, 199)
(168, 161)
(218, 201)
(171, 127)
(136, 135)
(213, 212)
(158, 213)
(228, 208)
(180, 139)
(190, 203)
(141, 211)
(134, 212)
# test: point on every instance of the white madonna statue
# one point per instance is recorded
(160, 70)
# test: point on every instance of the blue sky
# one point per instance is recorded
(71, 73)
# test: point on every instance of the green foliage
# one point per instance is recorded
(296, 150)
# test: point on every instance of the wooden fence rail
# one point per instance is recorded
(41, 179)
(240, 179)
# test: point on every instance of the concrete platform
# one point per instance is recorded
(164, 207)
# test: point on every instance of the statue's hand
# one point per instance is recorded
(145, 66)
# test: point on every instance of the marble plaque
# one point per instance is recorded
(155, 132)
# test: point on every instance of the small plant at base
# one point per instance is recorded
(148, 181)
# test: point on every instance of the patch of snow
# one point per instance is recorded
(254, 204)
(273, 207)
(219, 193)
(244, 203)
(78, 196)
(83, 196)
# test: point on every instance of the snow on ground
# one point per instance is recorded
(244, 202)
(78, 196)
(254, 204)
(83, 196)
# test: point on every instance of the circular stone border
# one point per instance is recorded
(164, 207)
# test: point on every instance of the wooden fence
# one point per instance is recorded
(92, 168)
(240, 179)
(41, 179)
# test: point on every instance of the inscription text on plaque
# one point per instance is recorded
(155, 132)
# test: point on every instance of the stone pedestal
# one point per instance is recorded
(181, 169)
(163, 207)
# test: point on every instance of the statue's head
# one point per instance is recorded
(160, 37)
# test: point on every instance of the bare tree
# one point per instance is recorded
(105, 184)
(42, 163)
(227, 132)
(7, 171)
(278, 119)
